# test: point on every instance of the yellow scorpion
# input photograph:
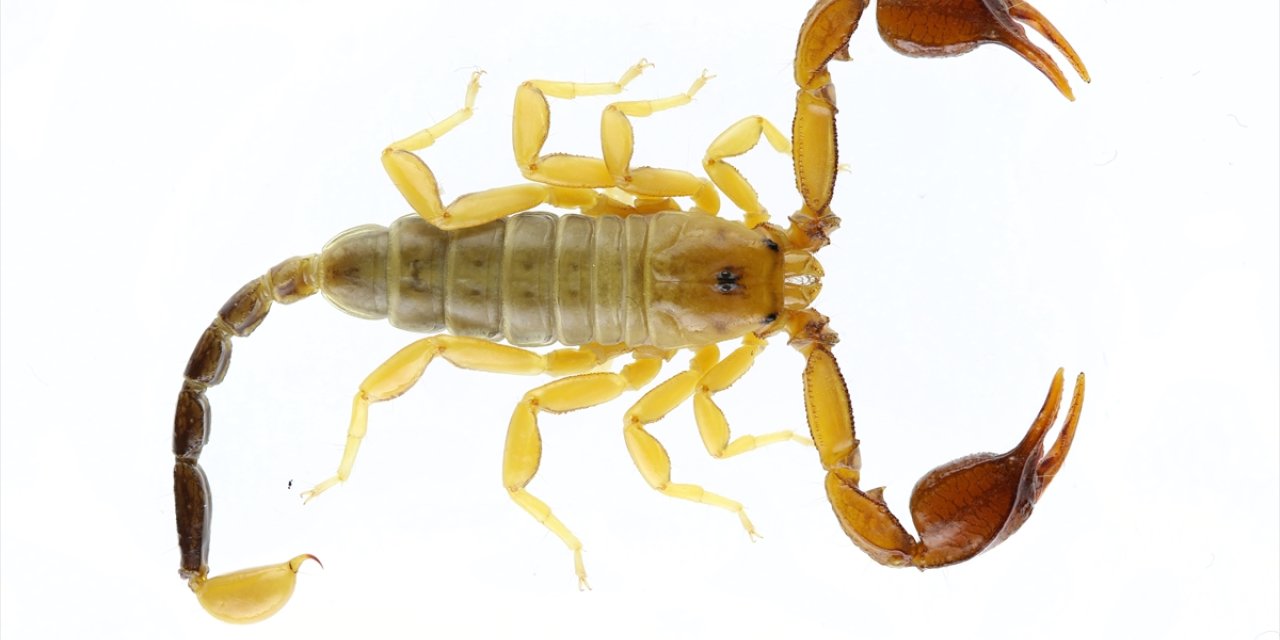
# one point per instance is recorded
(632, 274)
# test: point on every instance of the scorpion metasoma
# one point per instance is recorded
(632, 274)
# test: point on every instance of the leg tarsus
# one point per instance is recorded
(695, 493)
(427, 137)
(743, 444)
(542, 513)
(416, 357)
(313, 492)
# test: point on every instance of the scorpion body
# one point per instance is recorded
(667, 280)
(632, 273)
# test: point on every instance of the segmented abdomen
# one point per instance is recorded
(531, 279)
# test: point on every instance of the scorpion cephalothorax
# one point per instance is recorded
(631, 273)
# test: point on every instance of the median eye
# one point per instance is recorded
(727, 280)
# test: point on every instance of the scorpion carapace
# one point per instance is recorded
(632, 273)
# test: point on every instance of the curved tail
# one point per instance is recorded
(252, 594)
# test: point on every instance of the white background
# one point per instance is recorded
(156, 157)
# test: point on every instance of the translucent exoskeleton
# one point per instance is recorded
(632, 273)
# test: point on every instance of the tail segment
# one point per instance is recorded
(258, 592)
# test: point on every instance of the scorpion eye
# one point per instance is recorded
(726, 287)
(726, 276)
(769, 319)
(773, 246)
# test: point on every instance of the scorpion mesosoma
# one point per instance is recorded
(632, 273)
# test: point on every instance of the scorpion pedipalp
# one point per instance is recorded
(960, 508)
(930, 28)
(967, 506)
(972, 504)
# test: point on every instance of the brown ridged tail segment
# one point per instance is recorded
(287, 282)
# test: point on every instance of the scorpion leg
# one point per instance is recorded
(523, 451)
(961, 508)
(652, 460)
(618, 144)
(532, 122)
(711, 422)
(953, 27)
(616, 202)
(418, 184)
(399, 373)
(739, 138)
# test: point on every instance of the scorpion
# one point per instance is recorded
(634, 274)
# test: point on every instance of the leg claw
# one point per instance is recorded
(309, 495)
